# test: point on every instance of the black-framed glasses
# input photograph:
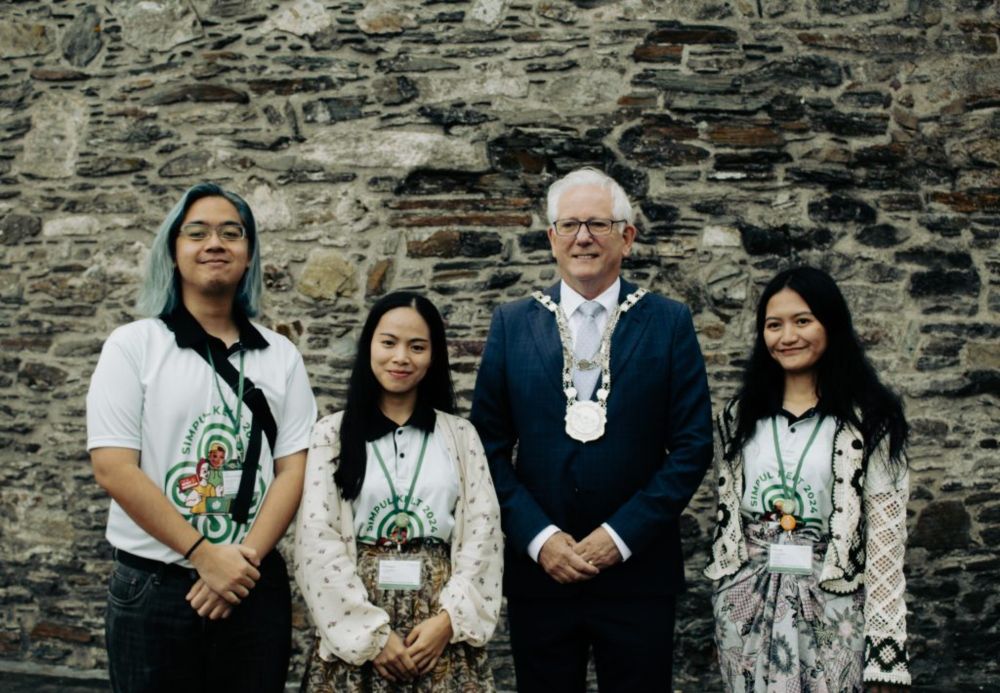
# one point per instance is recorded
(597, 227)
(228, 232)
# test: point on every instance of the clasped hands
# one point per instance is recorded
(406, 659)
(226, 574)
(567, 560)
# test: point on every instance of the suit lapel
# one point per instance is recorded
(629, 331)
(545, 334)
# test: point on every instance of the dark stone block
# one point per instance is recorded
(314, 173)
(38, 376)
(932, 257)
(894, 154)
(524, 151)
(531, 241)
(804, 71)
(839, 208)
(691, 34)
(298, 85)
(659, 212)
(394, 91)
(866, 99)
(761, 161)
(759, 241)
(715, 208)
(480, 243)
(852, 124)
(880, 236)
(655, 143)
(264, 144)
(438, 182)
(881, 273)
(198, 93)
(502, 279)
(852, 7)
(785, 107)
(635, 181)
(829, 177)
(449, 116)
(409, 63)
(333, 110)
(949, 227)
(82, 41)
(111, 166)
(190, 164)
(944, 283)
(942, 526)
(16, 228)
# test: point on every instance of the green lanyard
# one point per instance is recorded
(402, 514)
(235, 418)
(790, 492)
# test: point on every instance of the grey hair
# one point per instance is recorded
(160, 292)
(621, 208)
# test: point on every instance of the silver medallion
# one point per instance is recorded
(585, 421)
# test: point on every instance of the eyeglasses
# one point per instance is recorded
(597, 227)
(228, 232)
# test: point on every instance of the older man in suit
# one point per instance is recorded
(600, 388)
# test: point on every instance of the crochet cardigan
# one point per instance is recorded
(867, 537)
(350, 627)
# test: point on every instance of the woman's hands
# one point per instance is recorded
(404, 660)
(393, 662)
(427, 641)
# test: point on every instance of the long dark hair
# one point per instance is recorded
(845, 380)
(363, 392)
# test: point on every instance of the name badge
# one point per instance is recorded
(397, 574)
(793, 559)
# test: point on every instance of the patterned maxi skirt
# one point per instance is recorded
(781, 633)
(461, 668)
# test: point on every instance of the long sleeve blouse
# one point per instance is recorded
(867, 538)
(350, 627)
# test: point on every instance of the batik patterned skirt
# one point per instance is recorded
(781, 633)
(461, 668)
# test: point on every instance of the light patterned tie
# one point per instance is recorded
(588, 339)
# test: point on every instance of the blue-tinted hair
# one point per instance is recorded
(160, 292)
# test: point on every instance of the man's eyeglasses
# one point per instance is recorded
(228, 232)
(597, 227)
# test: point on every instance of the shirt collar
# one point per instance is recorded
(378, 425)
(189, 333)
(570, 300)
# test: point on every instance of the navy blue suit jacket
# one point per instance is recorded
(638, 477)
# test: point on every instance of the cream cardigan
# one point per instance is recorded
(350, 627)
(867, 536)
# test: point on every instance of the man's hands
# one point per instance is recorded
(559, 558)
(599, 549)
(226, 574)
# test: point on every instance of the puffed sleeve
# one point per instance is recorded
(472, 594)
(349, 625)
(885, 497)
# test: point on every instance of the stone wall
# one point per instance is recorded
(387, 145)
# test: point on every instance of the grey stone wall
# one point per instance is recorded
(388, 145)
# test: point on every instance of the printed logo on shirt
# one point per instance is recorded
(387, 524)
(203, 485)
(767, 488)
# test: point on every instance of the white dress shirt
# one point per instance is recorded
(569, 302)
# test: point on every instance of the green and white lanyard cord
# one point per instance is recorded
(235, 418)
(789, 492)
(402, 514)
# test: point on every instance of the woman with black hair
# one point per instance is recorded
(398, 545)
(808, 550)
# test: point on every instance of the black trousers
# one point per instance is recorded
(156, 642)
(631, 638)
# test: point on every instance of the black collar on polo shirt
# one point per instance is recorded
(423, 418)
(191, 335)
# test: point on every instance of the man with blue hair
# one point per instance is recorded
(592, 404)
(199, 598)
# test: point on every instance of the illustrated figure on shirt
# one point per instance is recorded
(172, 395)
(599, 385)
(196, 497)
